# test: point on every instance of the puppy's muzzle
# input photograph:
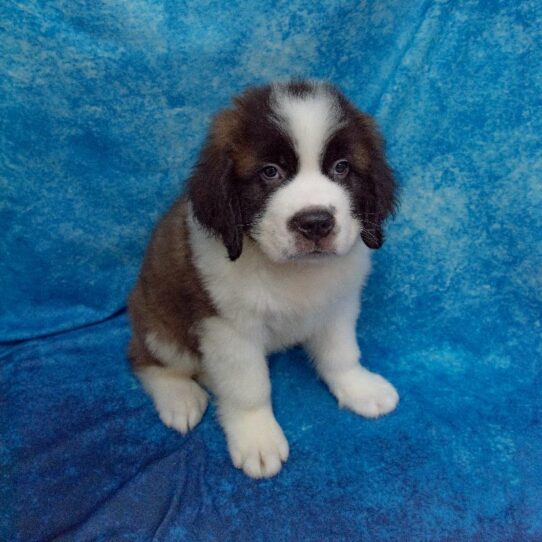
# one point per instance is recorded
(314, 224)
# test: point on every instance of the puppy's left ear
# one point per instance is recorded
(379, 198)
(214, 198)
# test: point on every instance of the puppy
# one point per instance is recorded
(268, 248)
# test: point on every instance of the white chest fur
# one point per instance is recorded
(280, 302)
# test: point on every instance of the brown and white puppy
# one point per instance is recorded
(268, 248)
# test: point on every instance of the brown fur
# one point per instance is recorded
(168, 298)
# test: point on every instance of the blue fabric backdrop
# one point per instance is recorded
(103, 108)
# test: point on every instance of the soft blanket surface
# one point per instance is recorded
(103, 108)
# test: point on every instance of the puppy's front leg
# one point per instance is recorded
(237, 372)
(336, 353)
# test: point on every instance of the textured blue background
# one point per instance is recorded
(103, 108)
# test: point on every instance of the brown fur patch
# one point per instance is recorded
(245, 160)
(168, 298)
(360, 157)
(236, 131)
(224, 127)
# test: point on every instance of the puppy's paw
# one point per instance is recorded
(365, 393)
(256, 442)
(181, 403)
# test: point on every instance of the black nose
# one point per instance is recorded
(314, 224)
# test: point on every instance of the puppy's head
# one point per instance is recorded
(296, 168)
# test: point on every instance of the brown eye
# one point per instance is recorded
(271, 173)
(341, 168)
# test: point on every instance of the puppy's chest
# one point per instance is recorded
(285, 309)
(283, 317)
(286, 329)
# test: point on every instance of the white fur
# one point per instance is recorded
(309, 122)
(265, 306)
(179, 400)
(255, 440)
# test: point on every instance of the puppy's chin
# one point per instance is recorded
(314, 257)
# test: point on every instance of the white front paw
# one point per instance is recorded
(255, 441)
(365, 393)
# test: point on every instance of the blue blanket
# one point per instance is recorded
(103, 108)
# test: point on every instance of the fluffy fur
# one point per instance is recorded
(268, 248)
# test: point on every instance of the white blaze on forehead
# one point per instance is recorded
(309, 119)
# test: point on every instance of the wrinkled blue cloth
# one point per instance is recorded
(104, 106)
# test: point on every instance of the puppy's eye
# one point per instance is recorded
(341, 168)
(271, 172)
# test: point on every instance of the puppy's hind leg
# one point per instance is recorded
(180, 401)
(166, 374)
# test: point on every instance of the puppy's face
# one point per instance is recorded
(296, 168)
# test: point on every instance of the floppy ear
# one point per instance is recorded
(215, 203)
(379, 198)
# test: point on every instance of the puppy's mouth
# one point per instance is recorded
(321, 252)
(314, 249)
(313, 253)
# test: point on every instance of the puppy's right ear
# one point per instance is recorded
(214, 198)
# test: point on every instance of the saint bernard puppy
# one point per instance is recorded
(268, 248)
